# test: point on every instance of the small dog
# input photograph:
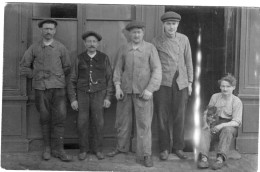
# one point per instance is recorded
(212, 117)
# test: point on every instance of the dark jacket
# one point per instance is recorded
(90, 75)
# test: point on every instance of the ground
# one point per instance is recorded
(122, 162)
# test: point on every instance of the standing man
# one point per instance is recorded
(90, 91)
(47, 62)
(177, 76)
(137, 75)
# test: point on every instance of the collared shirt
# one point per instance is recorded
(48, 64)
(90, 75)
(175, 54)
(138, 69)
(228, 109)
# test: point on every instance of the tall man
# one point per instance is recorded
(137, 75)
(177, 77)
(90, 90)
(48, 63)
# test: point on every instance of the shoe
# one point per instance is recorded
(164, 155)
(180, 154)
(203, 162)
(82, 156)
(100, 155)
(46, 155)
(114, 153)
(148, 161)
(218, 164)
(62, 155)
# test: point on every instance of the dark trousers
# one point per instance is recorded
(91, 120)
(170, 106)
(51, 104)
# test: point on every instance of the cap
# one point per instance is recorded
(170, 15)
(47, 21)
(135, 24)
(91, 33)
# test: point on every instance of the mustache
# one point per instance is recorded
(91, 46)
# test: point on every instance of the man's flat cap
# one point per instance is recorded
(170, 16)
(47, 21)
(135, 24)
(91, 33)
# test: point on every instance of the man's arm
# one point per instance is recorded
(156, 69)
(188, 60)
(109, 77)
(65, 59)
(26, 63)
(118, 73)
(73, 79)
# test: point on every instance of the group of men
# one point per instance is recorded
(149, 78)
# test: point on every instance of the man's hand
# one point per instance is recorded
(107, 103)
(74, 105)
(216, 129)
(190, 88)
(26, 72)
(119, 93)
(147, 95)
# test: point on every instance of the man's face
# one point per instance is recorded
(136, 35)
(48, 31)
(91, 43)
(226, 88)
(170, 27)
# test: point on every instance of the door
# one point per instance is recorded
(73, 20)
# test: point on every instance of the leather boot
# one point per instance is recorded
(59, 152)
(46, 155)
(148, 161)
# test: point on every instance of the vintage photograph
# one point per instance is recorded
(130, 87)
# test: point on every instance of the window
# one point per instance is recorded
(54, 10)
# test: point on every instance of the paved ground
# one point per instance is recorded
(32, 161)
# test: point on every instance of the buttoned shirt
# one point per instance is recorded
(175, 55)
(138, 69)
(90, 75)
(227, 109)
(48, 64)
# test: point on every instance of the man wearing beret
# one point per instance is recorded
(90, 91)
(47, 62)
(137, 75)
(177, 76)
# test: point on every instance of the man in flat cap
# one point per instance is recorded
(47, 62)
(137, 75)
(90, 91)
(177, 76)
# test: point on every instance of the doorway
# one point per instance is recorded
(211, 23)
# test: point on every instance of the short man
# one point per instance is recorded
(177, 77)
(137, 75)
(48, 63)
(90, 90)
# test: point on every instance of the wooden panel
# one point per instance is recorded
(250, 52)
(253, 60)
(113, 36)
(108, 12)
(11, 47)
(250, 118)
(12, 120)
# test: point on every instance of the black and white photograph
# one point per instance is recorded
(130, 86)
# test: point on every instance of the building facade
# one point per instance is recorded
(229, 43)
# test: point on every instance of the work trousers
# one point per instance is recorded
(223, 137)
(143, 110)
(91, 120)
(51, 104)
(170, 107)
